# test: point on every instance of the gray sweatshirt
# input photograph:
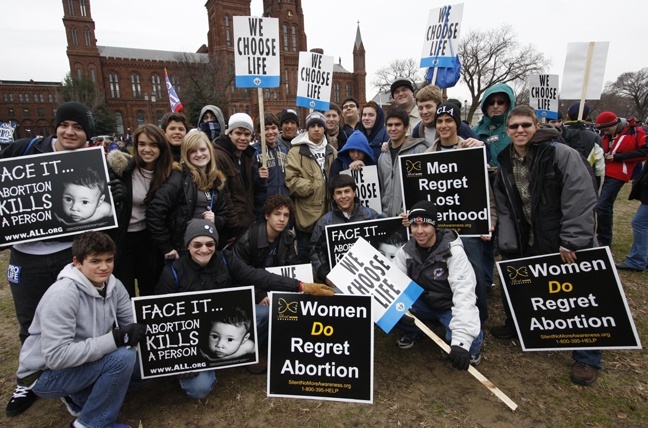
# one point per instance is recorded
(73, 323)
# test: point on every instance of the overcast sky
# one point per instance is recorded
(33, 44)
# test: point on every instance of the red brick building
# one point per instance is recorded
(31, 105)
(132, 80)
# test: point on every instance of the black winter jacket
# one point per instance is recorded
(173, 206)
(223, 270)
(255, 255)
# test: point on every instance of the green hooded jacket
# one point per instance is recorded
(492, 130)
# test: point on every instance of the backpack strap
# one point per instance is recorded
(175, 275)
(29, 146)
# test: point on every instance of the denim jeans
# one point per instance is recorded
(591, 358)
(638, 256)
(425, 313)
(98, 388)
(488, 263)
(474, 248)
(37, 273)
(201, 385)
(605, 209)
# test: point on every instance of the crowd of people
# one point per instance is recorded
(211, 208)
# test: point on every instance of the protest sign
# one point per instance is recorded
(386, 235)
(368, 186)
(543, 94)
(54, 194)
(304, 272)
(184, 331)
(7, 131)
(456, 181)
(441, 42)
(560, 306)
(321, 347)
(256, 52)
(584, 71)
(364, 270)
(314, 80)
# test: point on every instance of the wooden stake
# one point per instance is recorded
(588, 67)
(264, 148)
(472, 370)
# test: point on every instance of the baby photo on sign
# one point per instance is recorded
(81, 198)
(227, 336)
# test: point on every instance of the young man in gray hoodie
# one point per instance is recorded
(82, 337)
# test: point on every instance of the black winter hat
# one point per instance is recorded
(288, 114)
(449, 109)
(423, 212)
(78, 113)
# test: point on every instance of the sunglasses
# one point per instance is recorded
(515, 126)
(197, 245)
(349, 106)
(499, 102)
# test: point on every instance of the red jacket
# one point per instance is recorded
(628, 147)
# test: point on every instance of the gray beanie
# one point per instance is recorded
(200, 227)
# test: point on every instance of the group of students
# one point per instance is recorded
(201, 210)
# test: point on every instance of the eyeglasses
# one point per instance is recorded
(515, 126)
(499, 102)
(349, 106)
(197, 245)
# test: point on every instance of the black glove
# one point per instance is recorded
(118, 191)
(459, 357)
(129, 335)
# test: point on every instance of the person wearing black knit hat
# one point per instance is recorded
(39, 262)
(434, 258)
(447, 122)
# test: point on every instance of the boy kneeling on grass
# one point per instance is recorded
(80, 343)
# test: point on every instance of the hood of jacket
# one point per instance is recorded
(120, 162)
(378, 125)
(216, 112)
(356, 144)
(83, 283)
(497, 88)
(302, 139)
(545, 133)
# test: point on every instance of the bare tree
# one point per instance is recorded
(397, 68)
(85, 91)
(494, 56)
(208, 80)
(633, 87)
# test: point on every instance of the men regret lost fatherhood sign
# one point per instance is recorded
(196, 331)
(54, 194)
(256, 52)
(456, 181)
(560, 306)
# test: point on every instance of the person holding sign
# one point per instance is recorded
(36, 265)
(496, 102)
(194, 190)
(388, 171)
(307, 171)
(247, 180)
(205, 268)
(402, 92)
(346, 209)
(276, 153)
(447, 122)
(624, 144)
(355, 154)
(81, 343)
(435, 260)
(545, 198)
